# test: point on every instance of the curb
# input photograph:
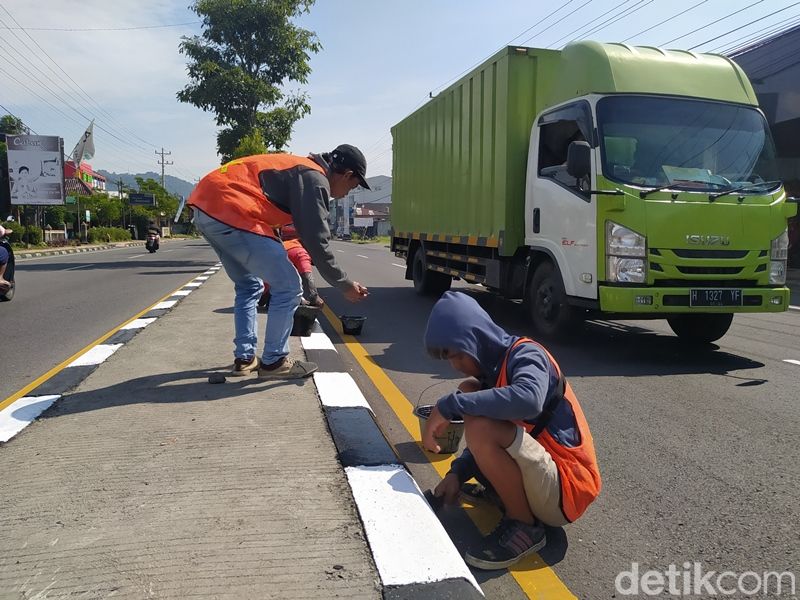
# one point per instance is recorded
(75, 250)
(386, 495)
(23, 411)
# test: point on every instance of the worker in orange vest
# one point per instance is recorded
(237, 208)
(528, 441)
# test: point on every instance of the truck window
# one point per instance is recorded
(554, 140)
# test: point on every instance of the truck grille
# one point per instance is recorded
(709, 270)
(691, 253)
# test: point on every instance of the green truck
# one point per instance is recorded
(601, 179)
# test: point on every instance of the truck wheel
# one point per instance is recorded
(428, 283)
(547, 303)
(700, 329)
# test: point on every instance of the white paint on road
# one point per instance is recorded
(17, 416)
(339, 390)
(137, 256)
(80, 267)
(201, 278)
(793, 307)
(317, 341)
(193, 284)
(388, 500)
(95, 356)
(164, 304)
(342, 251)
(362, 256)
(139, 323)
(398, 265)
(791, 361)
(182, 292)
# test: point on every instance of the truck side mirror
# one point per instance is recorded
(579, 161)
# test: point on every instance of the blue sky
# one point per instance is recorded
(380, 60)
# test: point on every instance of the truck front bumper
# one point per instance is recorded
(677, 300)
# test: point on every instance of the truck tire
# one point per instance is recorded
(700, 329)
(547, 303)
(428, 283)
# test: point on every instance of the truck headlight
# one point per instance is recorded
(626, 270)
(779, 251)
(625, 251)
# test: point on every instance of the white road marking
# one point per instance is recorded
(164, 304)
(342, 251)
(792, 361)
(18, 415)
(317, 341)
(398, 265)
(137, 256)
(201, 278)
(182, 293)
(362, 256)
(139, 323)
(173, 250)
(398, 549)
(339, 390)
(76, 268)
(95, 355)
(793, 307)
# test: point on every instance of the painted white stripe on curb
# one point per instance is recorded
(201, 278)
(317, 341)
(138, 323)
(404, 555)
(209, 272)
(23, 412)
(95, 356)
(164, 304)
(193, 284)
(791, 361)
(339, 390)
(793, 307)
(182, 292)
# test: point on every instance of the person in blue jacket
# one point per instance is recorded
(527, 438)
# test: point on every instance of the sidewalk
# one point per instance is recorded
(146, 481)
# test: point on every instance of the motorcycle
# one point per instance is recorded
(151, 244)
(9, 273)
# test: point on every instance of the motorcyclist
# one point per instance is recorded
(153, 236)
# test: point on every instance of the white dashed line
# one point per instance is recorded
(398, 265)
(362, 256)
(136, 256)
(342, 251)
(792, 361)
(793, 307)
(76, 268)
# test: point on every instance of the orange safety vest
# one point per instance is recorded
(233, 195)
(577, 467)
(295, 243)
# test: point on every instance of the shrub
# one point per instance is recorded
(32, 235)
(16, 231)
(101, 235)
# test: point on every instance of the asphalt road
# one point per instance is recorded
(698, 449)
(63, 303)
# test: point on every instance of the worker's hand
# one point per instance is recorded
(356, 292)
(448, 488)
(434, 426)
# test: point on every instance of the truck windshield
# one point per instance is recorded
(685, 144)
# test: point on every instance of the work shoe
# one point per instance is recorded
(245, 366)
(290, 369)
(509, 542)
(472, 492)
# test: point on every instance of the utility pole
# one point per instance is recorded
(162, 162)
(119, 191)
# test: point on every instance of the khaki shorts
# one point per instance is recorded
(540, 478)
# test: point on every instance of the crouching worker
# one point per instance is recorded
(527, 439)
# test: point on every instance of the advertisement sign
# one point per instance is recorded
(36, 169)
(363, 221)
(142, 199)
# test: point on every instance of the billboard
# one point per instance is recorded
(36, 169)
(142, 199)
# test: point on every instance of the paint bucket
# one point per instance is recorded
(352, 325)
(450, 438)
(304, 319)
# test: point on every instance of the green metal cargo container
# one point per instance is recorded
(460, 160)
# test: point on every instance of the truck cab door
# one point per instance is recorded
(560, 215)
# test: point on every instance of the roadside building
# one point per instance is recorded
(773, 67)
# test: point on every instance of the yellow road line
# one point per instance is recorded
(532, 574)
(59, 367)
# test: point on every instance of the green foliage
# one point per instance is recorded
(32, 235)
(237, 68)
(55, 216)
(99, 235)
(16, 231)
(250, 144)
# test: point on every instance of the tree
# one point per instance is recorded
(249, 49)
(252, 143)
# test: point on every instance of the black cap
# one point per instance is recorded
(352, 158)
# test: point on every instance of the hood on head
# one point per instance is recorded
(457, 322)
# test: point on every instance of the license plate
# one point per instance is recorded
(724, 297)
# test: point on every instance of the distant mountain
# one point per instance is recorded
(174, 185)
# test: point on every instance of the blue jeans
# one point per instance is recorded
(248, 260)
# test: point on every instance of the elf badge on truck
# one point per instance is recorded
(632, 182)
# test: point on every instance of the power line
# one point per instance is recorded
(587, 24)
(18, 118)
(549, 27)
(743, 26)
(675, 16)
(640, 4)
(755, 37)
(104, 28)
(680, 37)
(163, 162)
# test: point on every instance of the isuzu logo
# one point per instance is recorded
(708, 240)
